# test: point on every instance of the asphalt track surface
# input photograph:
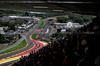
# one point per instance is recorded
(33, 44)
(10, 61)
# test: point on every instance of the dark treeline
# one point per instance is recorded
(60, 18)
(75, 18)
(8, 12)
(45, 15)
(24, 13)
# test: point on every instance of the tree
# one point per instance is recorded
(44, 17)
(11, 27)
(18, 22)
(5, 30)
(80, 18)
(19, 36)
(26, 14)
(2, 37)
(0, 25)
(62, 19)
(4, 23)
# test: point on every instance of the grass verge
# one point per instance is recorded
(19, 46)
(34, 35)
(41, 25)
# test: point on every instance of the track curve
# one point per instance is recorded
(31, 47)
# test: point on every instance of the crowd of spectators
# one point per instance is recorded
(81, 48)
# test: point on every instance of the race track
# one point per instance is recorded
(32, 45)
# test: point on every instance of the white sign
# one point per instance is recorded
(69, 25)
